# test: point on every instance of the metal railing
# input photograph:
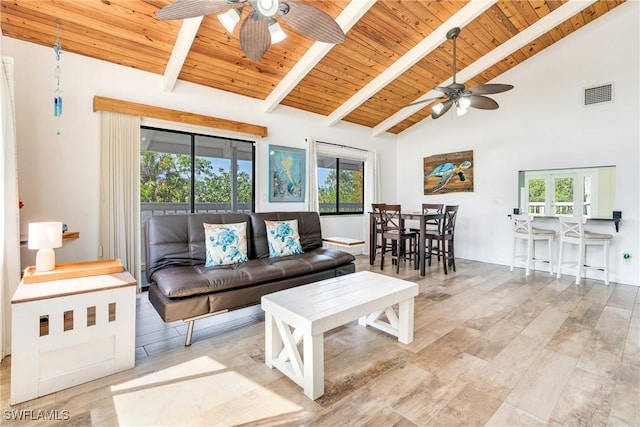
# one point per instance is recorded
(327, 208)
(562, 208)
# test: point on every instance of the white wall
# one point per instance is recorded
(542, 124)
(58, 174)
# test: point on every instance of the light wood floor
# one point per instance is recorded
(491, 347)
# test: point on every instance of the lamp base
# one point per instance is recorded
(45, 260)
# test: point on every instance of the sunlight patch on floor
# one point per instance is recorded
(201, 391)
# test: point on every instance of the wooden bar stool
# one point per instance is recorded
(444, 238)
(431, 226)
(523, 229)
(394, 233)
(572, 232)
(375, 207)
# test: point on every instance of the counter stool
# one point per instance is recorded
(444, 238)
(572, 232)
(402, 242)
(522, 228)
(375, 207)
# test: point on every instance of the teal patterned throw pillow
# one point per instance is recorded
(225, 244)
(283, 238)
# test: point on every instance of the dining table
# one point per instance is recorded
(422, 235)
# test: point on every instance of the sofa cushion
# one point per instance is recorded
(308, 229)
(183, 281)
(225, 244)
(283, 238)
(178, 240)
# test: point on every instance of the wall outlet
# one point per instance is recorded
(626, 257)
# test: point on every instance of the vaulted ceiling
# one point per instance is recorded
(395, 52)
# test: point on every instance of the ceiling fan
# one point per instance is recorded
(260, 27)
(463, 98)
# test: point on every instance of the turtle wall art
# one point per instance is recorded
(448, 173)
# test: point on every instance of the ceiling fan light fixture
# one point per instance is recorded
(258, 29)
(464, 102)
(266, 7)
(437, 108)
(461, 109)
(230, 19)
(277, 34)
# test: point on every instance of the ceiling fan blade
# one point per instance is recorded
(450, 92)
(445, 107)
(182, 9)
(311, 22)
(489, 89)
(255, 38)
(423, 101)
(483, 102)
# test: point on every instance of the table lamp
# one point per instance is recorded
(45, 236)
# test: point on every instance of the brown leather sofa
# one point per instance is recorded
(181, 287)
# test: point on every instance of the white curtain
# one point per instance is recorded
(312, 176)
(120, 190)
(372, 175)
(10, 218)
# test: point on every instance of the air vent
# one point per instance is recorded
(598, 94)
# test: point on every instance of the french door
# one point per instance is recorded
(554, 194)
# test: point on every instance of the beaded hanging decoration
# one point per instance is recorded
(57, 97)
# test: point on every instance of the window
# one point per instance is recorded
(565, 193)
(340, 186)
(586, 192)
(187, 172)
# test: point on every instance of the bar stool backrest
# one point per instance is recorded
(449, 219)
(389, 217)
(522, 224)
(572, 228)
(432, 224)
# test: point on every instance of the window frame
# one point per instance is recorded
(193, 153)
(337, 169)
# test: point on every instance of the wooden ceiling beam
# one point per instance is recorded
(557, 17)
(428, 44)
(347, 19)
(186, 36)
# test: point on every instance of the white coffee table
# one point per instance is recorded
(304, 313)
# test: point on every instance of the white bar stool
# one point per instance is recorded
(523, 229)
(572, 231)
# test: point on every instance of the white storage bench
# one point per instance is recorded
(67, 332)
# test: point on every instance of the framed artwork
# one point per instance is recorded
(287, 174)
(448, 173)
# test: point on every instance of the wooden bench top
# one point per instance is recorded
(344, 241)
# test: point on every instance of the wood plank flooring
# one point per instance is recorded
(491, 347)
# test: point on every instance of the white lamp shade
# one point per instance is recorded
(229, 19)
(277, 34)
(45, 235)
(464, 102)
(438, 108)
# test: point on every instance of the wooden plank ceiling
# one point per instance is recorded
(395, 51)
